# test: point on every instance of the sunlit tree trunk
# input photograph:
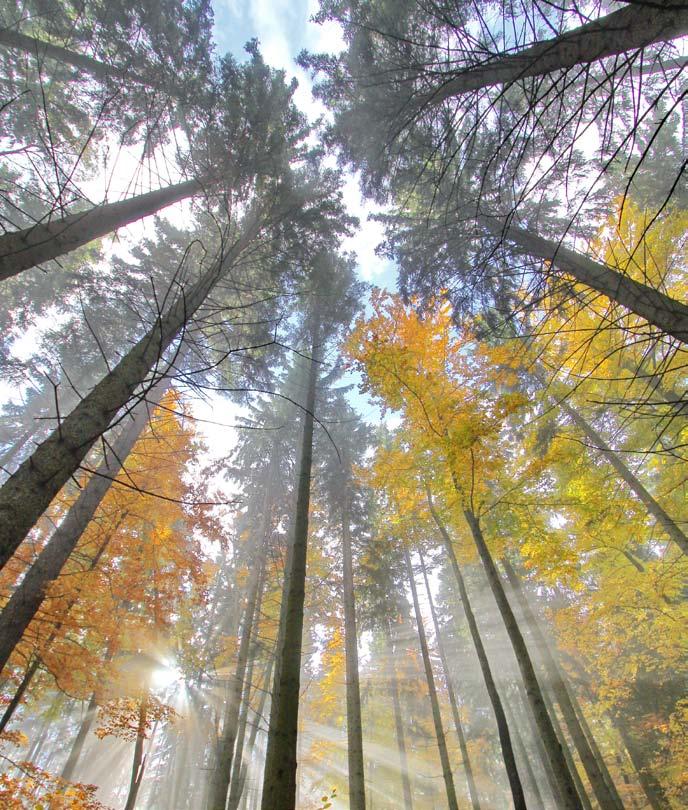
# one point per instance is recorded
(28, 492)
(500, 717)
(432, 691)
(472, 789)
(29, 595)
(628, 477)
(606, 794)
(80, 739)
(398, 718)
(536, 801)
(565, 780)
(629, 29)
(279, 781)
(354, 731)
(667, 314)
(21, 250)
(138, 765)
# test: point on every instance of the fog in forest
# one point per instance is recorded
(343, 405)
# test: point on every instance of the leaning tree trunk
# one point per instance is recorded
(398, 719)
(20, 250)
(628, 477)
(29, 595)
(606, 794)
(279, 782)
(19, 693)
(354, 730)
(567, 787)
(497, 707)
(28, 492)
(472, 789)
(629, 29)
(537, 802)
(77, 747)
(452, 802)
(666, 313)
(41, 49)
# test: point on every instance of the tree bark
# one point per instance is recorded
(627, 476)
(452, 802)
(472, 789)
(279, 781)
(629, 29)
(565, 781)
(139, 764)
(398, 720)
(19, 693)
(29, 595)
(21, 250)
(500, 717)
(29, 491)
(354, 731)
(525, 759)
(666, 313)
(77, 747)
(606, 794)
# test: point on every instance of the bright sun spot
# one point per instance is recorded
(165, 675)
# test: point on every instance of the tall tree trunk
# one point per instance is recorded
(500, 717)
(567, 786)
(627, 476)
(77, 747)
(354, 731)
(20, 250)
(398, 718)
(629, 29)
(19, 692)
(432, 692)
(28, 492)
(29, 595)
(223, 764)
(606, 794)
(41, 49)
(666, 313)
(472, 790)
(520, 745)
(138, 765)
(279, 781)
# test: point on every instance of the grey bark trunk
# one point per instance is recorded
(628, 29)
(354, 730)
(21, 250)
(500, 717)
(606, 794)
(567, 787)
(398, 719)
(29, 595)
(279, 782)
(28, 492)
(452, 801)
(666, 313)
(77, 747)
(472, 789)
(537, 799)
(628, 477)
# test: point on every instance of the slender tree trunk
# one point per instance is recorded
(432, 691)
(628, 477)
(398, 719)
(77, 747)
(354, 731)
(472, 790)
(629, 29)
(19, 693)
(223, 763)
(28, 492)
(29, 595)
(21, 250)
(567, 786)
(500, 717)
(236, 783)
(666, 313)
(606, 794)
(139, 763)
(525, 759)
(41, 49)
(14, 448)
(279, 782)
